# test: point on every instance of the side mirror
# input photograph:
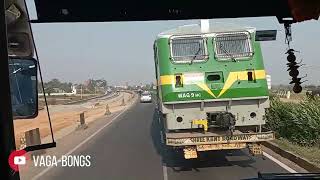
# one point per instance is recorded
(24, 89)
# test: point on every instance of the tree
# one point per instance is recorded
(99, 85)
(55, 83)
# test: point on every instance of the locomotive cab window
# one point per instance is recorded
(235, 45)
(188, 49)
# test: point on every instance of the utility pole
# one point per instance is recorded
(7, 141)
(81, 91)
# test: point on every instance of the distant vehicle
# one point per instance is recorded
(146, 97)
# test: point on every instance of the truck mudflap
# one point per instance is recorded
(235, 141)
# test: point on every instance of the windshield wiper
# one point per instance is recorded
(16, 71)
(195, 56)
(21, 69)
(227, 53)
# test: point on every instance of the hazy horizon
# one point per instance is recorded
(121, 52)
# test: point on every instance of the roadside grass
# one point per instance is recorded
(310, 153)
(297, 122)
(297, 126)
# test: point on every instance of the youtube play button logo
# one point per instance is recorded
(17, 158)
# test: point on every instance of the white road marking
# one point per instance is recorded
(82, 143)
(165, 172)
(279, 163)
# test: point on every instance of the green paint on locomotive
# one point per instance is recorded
(234, 82)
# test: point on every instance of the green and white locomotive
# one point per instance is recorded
(212, 90)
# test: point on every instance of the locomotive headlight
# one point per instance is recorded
(178, 80)
(179, 119)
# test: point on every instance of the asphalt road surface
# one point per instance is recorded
(130, 148)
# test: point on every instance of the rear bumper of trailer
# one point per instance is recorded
(198, 138)
(191, 143)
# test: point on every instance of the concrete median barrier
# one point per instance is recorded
(82, 124)
(32, 137)
(305, 164)
(107, 110)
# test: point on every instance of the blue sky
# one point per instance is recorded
(122, 51)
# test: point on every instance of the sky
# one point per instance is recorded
(122, 52)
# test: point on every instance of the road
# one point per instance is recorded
(130, 148)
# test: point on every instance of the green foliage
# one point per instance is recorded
(55, 83)
(271, 95)
(94, 85)
(297, 122)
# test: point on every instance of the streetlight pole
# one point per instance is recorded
(81, 91)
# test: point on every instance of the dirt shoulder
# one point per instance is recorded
(64, 116)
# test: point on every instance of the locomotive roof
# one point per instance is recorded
(195, 29)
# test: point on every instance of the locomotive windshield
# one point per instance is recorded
(188, 49)
(233, 45)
